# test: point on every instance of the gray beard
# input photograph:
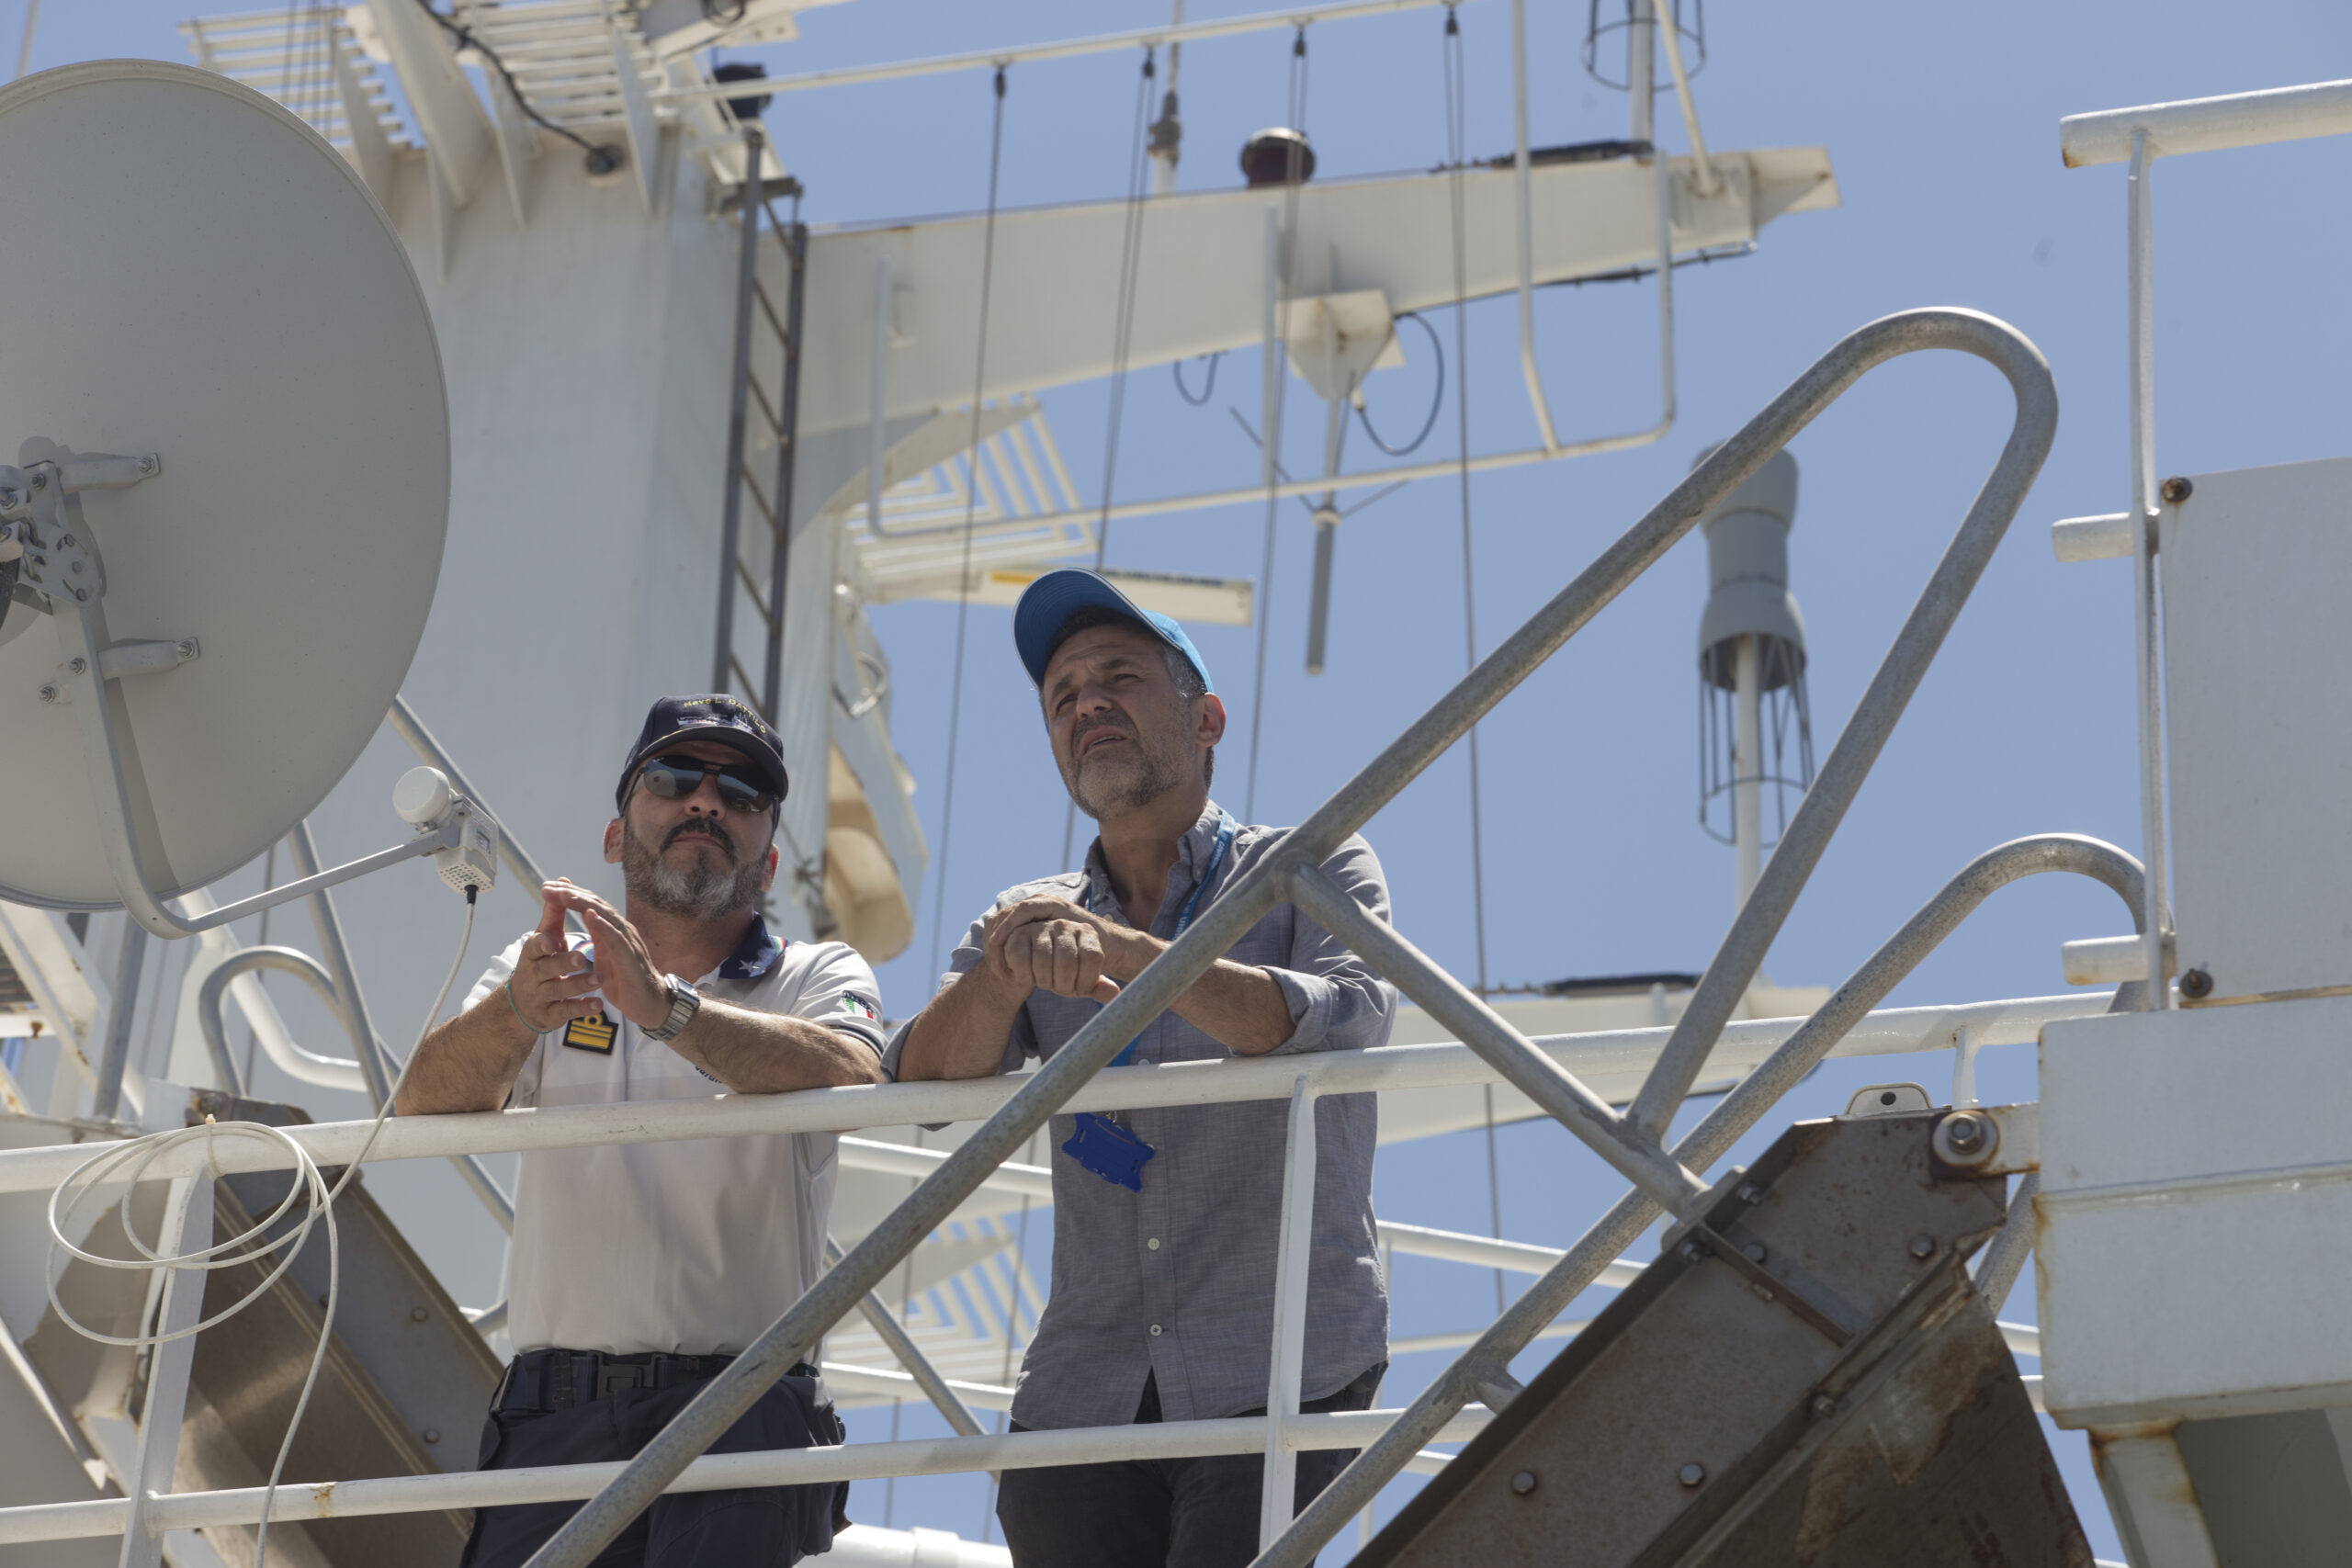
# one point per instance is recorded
(1152, 775)
(704, 893)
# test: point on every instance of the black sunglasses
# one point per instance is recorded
(676, 778)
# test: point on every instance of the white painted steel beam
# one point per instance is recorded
(1054, 306)
(2207, 125)
(714, 1473)
(457, 130)
(1743, 1045)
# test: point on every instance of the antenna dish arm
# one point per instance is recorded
(81, 635)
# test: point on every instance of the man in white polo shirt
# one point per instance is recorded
(639, 1270)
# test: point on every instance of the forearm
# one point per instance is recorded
(962, 1032)
(760, 1053)
(468, 1063)
(1239, 1008)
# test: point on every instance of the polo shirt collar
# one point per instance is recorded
(754, 955)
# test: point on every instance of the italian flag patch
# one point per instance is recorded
(860, 1006)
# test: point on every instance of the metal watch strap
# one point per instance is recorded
(685, 1002)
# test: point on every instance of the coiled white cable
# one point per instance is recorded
(126, 1163)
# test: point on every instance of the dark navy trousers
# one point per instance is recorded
(1179, 1513)
(771, 1526)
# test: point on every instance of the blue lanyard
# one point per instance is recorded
(1225, 828)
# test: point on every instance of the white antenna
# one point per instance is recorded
(225, 518)
(1751, 665)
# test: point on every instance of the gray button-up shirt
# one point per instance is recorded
(1177, 1281)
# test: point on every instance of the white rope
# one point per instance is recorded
(129, 1162)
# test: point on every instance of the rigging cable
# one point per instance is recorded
(1130, 262)
(1457, 139)
(1437, 395)
(126, 1163)
(1291, 181)
(963, 616)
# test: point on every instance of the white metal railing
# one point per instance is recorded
(1890, 1031)
(1633, 1142)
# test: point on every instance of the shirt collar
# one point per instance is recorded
(1193, 852)
(754, 955)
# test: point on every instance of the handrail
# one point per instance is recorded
(1889, 1032)
(1823, 807)
(1479, 1366)
(1270, 881)
(211, 996)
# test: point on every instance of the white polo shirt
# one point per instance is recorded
(694, 1246)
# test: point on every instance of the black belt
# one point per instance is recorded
(558, 1380)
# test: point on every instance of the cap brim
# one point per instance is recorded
(1051, 600)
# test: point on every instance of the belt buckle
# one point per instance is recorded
(610, 1377)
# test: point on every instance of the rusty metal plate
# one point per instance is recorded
(1823, 1315)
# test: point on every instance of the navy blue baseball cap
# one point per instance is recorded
(713, 715)
(1047, 604)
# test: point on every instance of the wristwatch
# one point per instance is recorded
(685, 1002)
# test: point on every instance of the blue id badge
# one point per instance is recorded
(1110, 1151)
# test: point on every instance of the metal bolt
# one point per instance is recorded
(2176, 489)
(1824, 1408)
(1755, 1251)
(78, 665)
(82, 593)
(1692, 1474)
(1964, 1130)
(1923, 1247)
(433, 1434)
(417, 1314)
(77, 568)
(147, 463)
(2197, 984)
(1691, 1252)
(66, 541)
(1523, 1483)
(1751, 1193)
(186, 649)
(40, 481)
(49, 691)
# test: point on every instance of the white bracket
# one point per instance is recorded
(2105, 537)
(117, 659)
(2110, 960)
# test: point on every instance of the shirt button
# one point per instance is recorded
(1153, 1243)
(1155, 1331)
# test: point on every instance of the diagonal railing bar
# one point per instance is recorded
(1823, 807)
(1554, 1088)
(788, 1340)
(1739, 1111)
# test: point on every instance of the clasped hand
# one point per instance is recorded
(553, 983)
(1052, 944)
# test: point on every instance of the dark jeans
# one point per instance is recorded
(770, 1527)
(1183, 1513)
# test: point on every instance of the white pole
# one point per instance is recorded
(188, 1228)
(1289, 1358)
(1748, 770)
(1522, 167)
(2140, 266)
(881, 430)
(1641, 70)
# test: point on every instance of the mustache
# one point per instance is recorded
(1085, 727)
(700, 826)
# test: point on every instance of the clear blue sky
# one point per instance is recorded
(1941, 123)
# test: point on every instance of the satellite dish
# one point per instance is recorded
(211, 335)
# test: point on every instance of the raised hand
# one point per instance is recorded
(552, 984)
(624, 967)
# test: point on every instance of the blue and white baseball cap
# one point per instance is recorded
(1047, 604)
